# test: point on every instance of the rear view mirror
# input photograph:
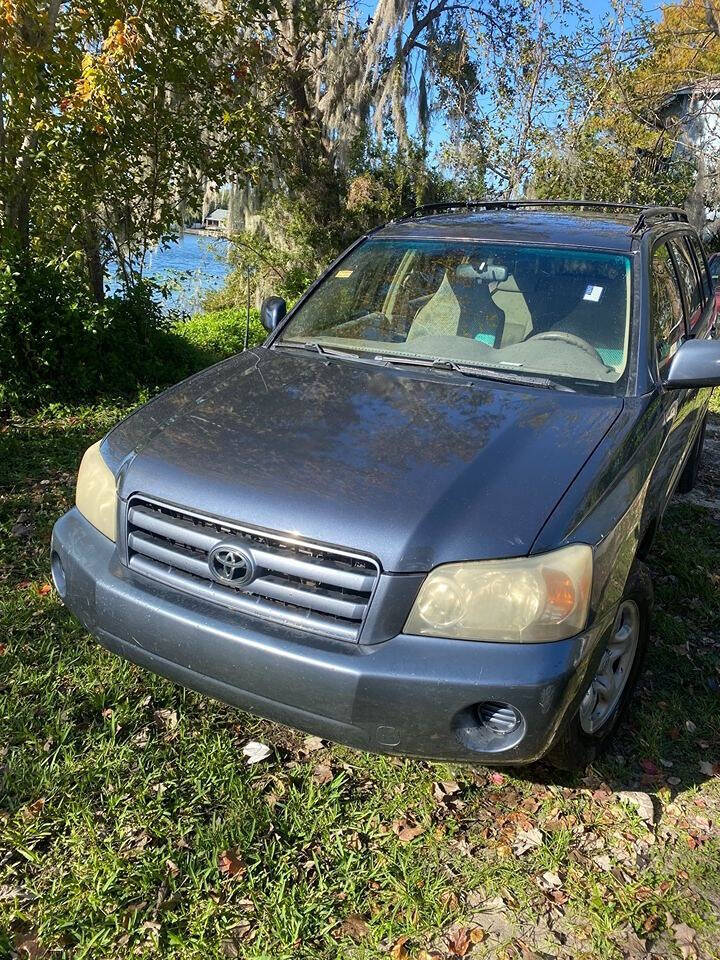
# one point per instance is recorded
(696, 364)
(272, 311)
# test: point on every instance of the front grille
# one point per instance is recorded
(299, 584)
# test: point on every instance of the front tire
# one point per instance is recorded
(606, 698)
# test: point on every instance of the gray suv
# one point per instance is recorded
(414, 520)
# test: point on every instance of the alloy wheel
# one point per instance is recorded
(612, 675)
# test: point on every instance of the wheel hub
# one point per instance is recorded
(613, 671)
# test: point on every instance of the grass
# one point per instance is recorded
(131, 825)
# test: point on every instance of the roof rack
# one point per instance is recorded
(647, 214)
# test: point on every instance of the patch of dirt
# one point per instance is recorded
(707, 489)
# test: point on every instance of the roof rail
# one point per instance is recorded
(647, 214)
(650, 215)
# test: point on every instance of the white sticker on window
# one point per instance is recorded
(593, 293)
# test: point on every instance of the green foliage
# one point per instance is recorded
(598, 168)
(58, 345)
(219, 334)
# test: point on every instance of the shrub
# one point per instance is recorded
(58, 346)
(220, 333)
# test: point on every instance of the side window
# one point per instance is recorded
(701, 265)
(668, 322)
(688, 280)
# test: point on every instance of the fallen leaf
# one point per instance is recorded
(710, 769)
(231, 863)
(322, 773)
(603, 861)
(44, 589)
(353, 926)
(166, 718)
(3, 649)
(497, 778)
(685, 939)
(690, 726)
(406, 829)
(650, 767)
(442, 789)
(255, 752)
(33, 809)
(28, 947)
(525, 952)
(641, 802)
(550, 881)
(311, 744)
(399, 950)
(527, 840)
(459, 942)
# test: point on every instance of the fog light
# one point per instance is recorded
(58, 573)
(499, 718)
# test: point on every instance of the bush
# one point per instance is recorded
(57, 345)
(220, 333)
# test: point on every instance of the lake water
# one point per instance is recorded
(192, 267)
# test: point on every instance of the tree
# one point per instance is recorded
(113, 118)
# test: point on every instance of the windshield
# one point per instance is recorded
(504, 307)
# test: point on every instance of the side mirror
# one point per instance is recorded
(272, 311)
(696, 364)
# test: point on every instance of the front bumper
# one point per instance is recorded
(410, 695)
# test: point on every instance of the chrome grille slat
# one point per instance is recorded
(246, 603)
(315, 600)
(184, 532)
(302, 584)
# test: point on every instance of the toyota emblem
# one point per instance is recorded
(231, 565)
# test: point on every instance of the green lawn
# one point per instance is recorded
(131, 824)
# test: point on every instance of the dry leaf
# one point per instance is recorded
(406, 829)
(685, 939)
(710, 769)
(28, 947)
(312, 744)
(353, 926)
(459, 942)
(497, 778)
(33, 809)
(231, 863)
(322, 773)
(166, 718)
(442, 789)
(255, 752)
(641, 802)
(550, 881)
(44, 589)
(527, 840)
(399, 950)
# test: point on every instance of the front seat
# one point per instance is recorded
(461, 308)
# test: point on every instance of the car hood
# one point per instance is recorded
(415, 467)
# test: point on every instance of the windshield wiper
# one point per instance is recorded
(482, 373)
(316, 347)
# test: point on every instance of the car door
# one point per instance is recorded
(668, 329)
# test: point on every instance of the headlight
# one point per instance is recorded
(528, 599)
(95, 492)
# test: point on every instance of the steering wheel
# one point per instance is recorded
(573, 340)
